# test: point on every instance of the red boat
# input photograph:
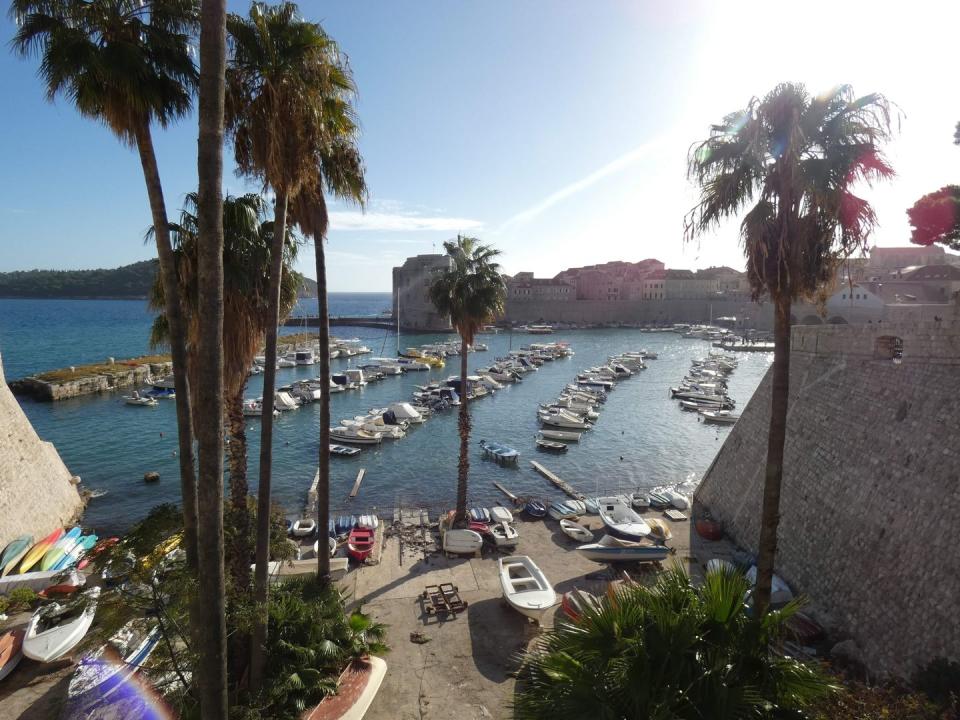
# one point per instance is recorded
(360, 543)
(100, 547)
(479, 527)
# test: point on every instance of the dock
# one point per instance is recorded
(356, 484)
(506, 492)
(562, 484)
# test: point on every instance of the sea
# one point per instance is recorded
(642, 439)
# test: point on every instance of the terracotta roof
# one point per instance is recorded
(934, 272)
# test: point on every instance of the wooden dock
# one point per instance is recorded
(562, 484)
(506, 492)
(356, 484)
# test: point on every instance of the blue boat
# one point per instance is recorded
(500, 453)
(332, 528)
(344, 524)
(479, 514)
(535, 509)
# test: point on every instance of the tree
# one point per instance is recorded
(668, 651)
(795, 159)
(936, 218)
(127, 64)
(470, 293)
(248, 241)
(209, 612)
(286, 84)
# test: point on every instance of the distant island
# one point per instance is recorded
(127, 282)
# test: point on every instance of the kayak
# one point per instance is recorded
(14, 552)
(11, 651)
(70, 558)
(39, 550)
(60, 548)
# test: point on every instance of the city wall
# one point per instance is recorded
(36, 491)
(871, 488)
(639, 311)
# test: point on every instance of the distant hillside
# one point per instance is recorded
(129, 281)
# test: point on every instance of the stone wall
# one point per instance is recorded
(638, 311)
(871, 489)
(119, 378)
(36, 492)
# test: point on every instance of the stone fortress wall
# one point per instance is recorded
(870, 503)
(662, 312)
(36, 492)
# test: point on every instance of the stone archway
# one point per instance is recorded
(812, 320)
(838, 320)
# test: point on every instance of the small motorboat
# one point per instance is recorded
(719, 417)
(462, 542)
(576, 531)
(360, 543)
(101, 673)
(535, 509)
(11, 650)
(54, 629)
(576, 601)
(499, 514)
(137, 399)
(479, 514)
(525, 588)
(37, 552)
(612, 549)
(343, 450)
(640, 501)
(566, 436)
(14, 552)
(500, 453)
(504, 534)
(304, 527)
(355, 436)
(551, 446)
(621, 519)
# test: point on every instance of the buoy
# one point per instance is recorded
(151, 477)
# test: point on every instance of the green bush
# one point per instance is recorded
(21, 598)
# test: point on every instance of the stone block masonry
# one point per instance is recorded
(119, 376)
(871, 488)
(36, 492)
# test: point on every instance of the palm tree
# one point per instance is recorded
(248, 239)
(284, 81)
(127, 64)
(209, 615)
(795, 159)
(470, 293)
(668, 651)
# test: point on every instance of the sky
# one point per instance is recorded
(557, 130)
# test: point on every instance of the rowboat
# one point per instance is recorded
(575, 531)
(499, 452)
(37, 552)
(344, 524)
(356, 688)
(132, 644)
(46, 644)
(360, 543)
(565, 435)
(14, 552)
(535, 509)
(640, 501)
(566, 509)
(304, 527)
(370, 522)
(462, 542)
(479, 514)
(504, 535)
(500, 514)
(551, 446)
(331, 545)
(612, 549)
(576, 601)
(593, 508)
(620, 519)
(62, 546)
(525, 588)
(679, 501)
(11, 651)
(343, 450)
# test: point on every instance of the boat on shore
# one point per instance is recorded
(357, 686)
(360, 543)
(504, 534)
(535, 509)
(99, 672)
(14, 552)
(36, 553)
(55, 629)
(621, 519)
(576, 531)
(525, 587)
(462, 542)
(613, 549)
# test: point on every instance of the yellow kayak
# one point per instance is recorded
(39, 550)
(161, 550)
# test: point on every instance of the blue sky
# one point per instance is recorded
(556, 130)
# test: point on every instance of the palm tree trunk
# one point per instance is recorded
(259, 635)
(463, 423)
(209, 612)
(178, 340)
(323, 455)
(239, 555)
(779, 394)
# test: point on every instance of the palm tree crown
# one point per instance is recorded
(795, 159)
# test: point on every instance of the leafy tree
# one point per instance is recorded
(668, 652)
(935, 218)
(128, 65)
(790, 161)
(470, 293)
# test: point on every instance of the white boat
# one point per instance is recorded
(621, 519)
(504, 534)
(254, 408)
(462, 542)
(680, 502)
(612, 549)
(355, 436)
(780, 593)
(562, 420)
(46, 644)
(283, 401)
(41, 580)
(499, 514)
(719, 417)
(304, 357)
(303, 527)
(566, 436)
(285, 363)
(137, 399)
(566, 509)
(525, 588)
(132, 645)
(576, 531)
(406, 412)
(331, 543)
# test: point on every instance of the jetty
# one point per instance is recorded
(92, 379)
(356, 484)
(556, 480)
(506, 492)
(373, 321)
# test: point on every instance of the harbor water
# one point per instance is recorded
(641, 440)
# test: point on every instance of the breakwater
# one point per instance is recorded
(871, 491)
(92, 379)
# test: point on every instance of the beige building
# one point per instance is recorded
(411, 299)
(524, 286)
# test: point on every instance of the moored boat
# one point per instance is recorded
(612, 549)
(525, 587)
(343, 450)
(551, 446)
(499, 452)
(562, 435)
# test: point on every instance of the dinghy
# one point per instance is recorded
(525, 588)
(360, 544)
(11, 651)
(45, 644)
(535, 509)
(567, 509)
(551, 446)
(574, 602)
(478, 514)
(499, 452)
(678, 501)
(640, 501)
(331, 546)
(370, 522)
(100, 673)
(575, 531)
(304, 527)
(499, 514)
(462, 542)
(504, 535)
(564, 435)
(343, 450)
(612, 549)
(37, 552)
(14, 552)
(621, 519)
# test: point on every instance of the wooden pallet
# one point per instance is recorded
(443, 599)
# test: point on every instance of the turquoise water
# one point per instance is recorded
(642, 438)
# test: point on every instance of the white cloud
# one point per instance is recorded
(398, 222)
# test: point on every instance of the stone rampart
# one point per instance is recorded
(119, 377)
(638, 311)
(36, 492)
(871, 489)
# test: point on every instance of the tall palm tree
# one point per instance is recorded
(668, 651)
(794, 159)
(280, 85)
(248, 240)
(209, 613)
(470, 293)
(127, 64)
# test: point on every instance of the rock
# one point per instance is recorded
(151, 477)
